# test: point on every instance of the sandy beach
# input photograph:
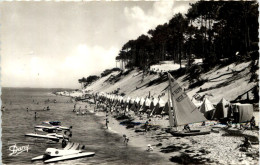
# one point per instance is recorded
(215, 148)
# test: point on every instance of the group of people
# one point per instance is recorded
(250, 124)
(66, 138)
(80, 111)
(47, 109)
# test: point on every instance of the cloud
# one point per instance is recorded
(46, 72)
(51, 53)
(180, 9)
(140, 21)
(89, 60)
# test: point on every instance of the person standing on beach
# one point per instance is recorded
(126, 139)
(252, 123)
(35, 115)
(107, 119)
(146, 125)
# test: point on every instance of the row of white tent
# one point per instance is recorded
(137, 104)
(154, 106)
(142, 101)
(223, 109)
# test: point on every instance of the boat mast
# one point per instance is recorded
(170, 112)
(173, 105)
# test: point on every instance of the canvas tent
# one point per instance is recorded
(165, 110)
(154, 102)
(196, 102)
(207, 109)
(222, 109)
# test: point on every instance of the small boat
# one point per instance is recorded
(52, 127)
(71, 156)
(71, 151)
(52, 124)
(183, 111)
(35, 135)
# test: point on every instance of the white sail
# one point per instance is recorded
(185, 112)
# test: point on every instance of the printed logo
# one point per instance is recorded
(16, 150)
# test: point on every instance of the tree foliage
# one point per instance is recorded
(211, 30)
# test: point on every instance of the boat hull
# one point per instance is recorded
(52, 127)
(41, 157)
(42, 136)
(69, 157)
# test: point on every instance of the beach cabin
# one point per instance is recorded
(245, 112)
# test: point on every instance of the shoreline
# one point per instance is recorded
(205, 149)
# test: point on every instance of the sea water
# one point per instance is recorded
(87, 130)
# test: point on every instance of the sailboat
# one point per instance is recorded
(184, 111)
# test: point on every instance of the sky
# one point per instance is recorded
(53, 44)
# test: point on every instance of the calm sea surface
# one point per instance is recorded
(88, 130)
